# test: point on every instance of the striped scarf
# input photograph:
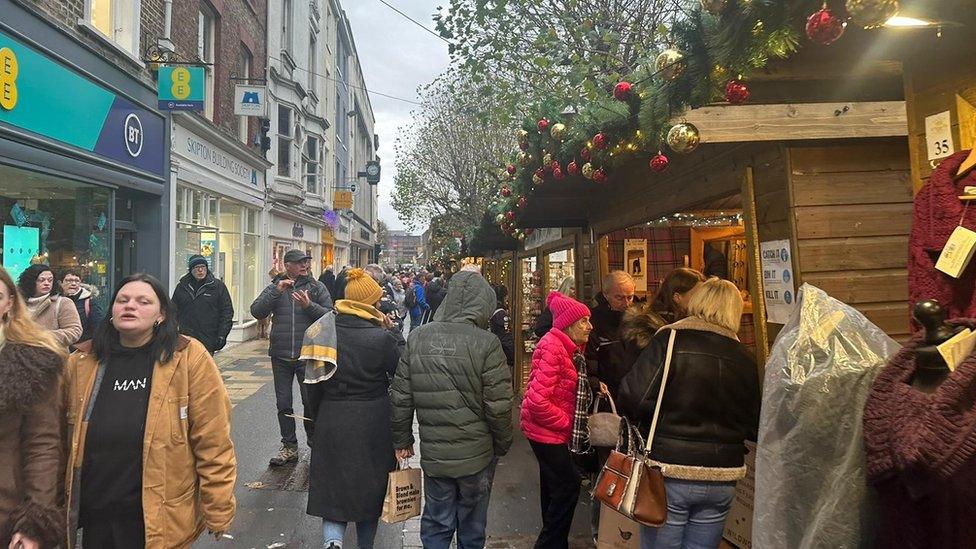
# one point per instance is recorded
(579, 443)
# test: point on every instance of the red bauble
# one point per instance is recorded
(506, 191)
(659, 162)
(543, 125)
(511, 169)
(524, 145)
(585, 154)
(736, 92)
(572, 168)
(621, 92)
(510, 215)
(825, 28)
(600, 176)
(522, 202)
(599, 141)
(557, 173)
(507, 226)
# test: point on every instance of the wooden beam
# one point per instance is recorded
(792, 122)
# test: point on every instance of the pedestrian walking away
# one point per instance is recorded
(203, 305)
(501, 326)
(52, 311)
(352, 452)
(295, 301)
(83, 296)
(554, 410)
(150, 459)
(31, 421)
(710, 407)
(454, 374)
(328, 279)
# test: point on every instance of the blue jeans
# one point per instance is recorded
(334, 531)
(456, 504)
(696, 516)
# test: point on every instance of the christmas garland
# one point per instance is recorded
(715, 46)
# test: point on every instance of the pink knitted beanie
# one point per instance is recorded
(565, 310)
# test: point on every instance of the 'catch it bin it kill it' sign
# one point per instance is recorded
(181, 88)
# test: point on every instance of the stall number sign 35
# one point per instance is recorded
(938, 135)
(8, 79)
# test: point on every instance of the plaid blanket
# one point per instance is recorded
(319, 349)
(580, 443)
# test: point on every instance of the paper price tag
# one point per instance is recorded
(957, 253)
(938, 135)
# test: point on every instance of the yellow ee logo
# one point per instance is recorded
(8, 78)
(181, 83)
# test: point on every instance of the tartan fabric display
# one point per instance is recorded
(667, 248)
(580, 443)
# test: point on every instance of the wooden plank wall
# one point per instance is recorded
(772, 194)
(934, 85)
(851, 211)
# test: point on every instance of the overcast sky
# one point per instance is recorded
(397, 56)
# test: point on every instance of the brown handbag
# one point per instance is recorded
(628, 483)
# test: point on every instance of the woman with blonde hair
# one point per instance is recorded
(709, 409)
(31, 412)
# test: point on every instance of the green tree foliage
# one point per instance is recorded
(448, 158)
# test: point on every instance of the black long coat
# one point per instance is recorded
(205, 311)
(352, 449)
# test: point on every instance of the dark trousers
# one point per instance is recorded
(559, 481)
(117, 534)
(456, 504)
(285, 371)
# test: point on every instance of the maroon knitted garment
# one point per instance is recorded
(921, 455)
(936, 214)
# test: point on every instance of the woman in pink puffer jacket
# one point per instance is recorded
(548, 414)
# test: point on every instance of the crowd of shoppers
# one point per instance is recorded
(127, 439)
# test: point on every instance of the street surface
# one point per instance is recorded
(271, 502)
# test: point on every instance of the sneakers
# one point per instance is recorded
(287, 454)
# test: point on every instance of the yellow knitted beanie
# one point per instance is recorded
(362, 288)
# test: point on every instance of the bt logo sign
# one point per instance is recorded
(133, 135)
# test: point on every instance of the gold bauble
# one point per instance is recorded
(683, 138)
(558, 131)
(872, 13)
(669, 64)
(538, 179)
(499, 219)
(522, 136)
(714, 7)
(588, 170)
(547, 160)
(524, 158)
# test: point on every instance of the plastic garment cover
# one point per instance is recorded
(811, 488)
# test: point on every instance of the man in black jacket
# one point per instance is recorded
(203, 305)
(605, 354)
(296, 300)
(501, 326)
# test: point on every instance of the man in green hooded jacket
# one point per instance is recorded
(455, 375)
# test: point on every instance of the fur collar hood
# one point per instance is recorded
(26, 375)
(639, 324)
(702, 325)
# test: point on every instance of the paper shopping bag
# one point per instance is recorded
(616, 530)
(403, 495)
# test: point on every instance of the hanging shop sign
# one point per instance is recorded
(181, 88)
(635, 261)
(91, 117)
(938, 135)
(541, 237)
(250, 100)
(342, 200)
(778, 284)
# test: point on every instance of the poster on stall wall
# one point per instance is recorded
(738, 525)
(20, 245)
(635, 261)
(778, 279)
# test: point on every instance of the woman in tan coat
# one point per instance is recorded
(151, 463)
(31, 365)
(53, 312)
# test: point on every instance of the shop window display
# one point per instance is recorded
(530, 306)
(57, 221)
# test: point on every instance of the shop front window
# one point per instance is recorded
(196, 228)
(56, 221)
(230, 253)
(249, 266)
